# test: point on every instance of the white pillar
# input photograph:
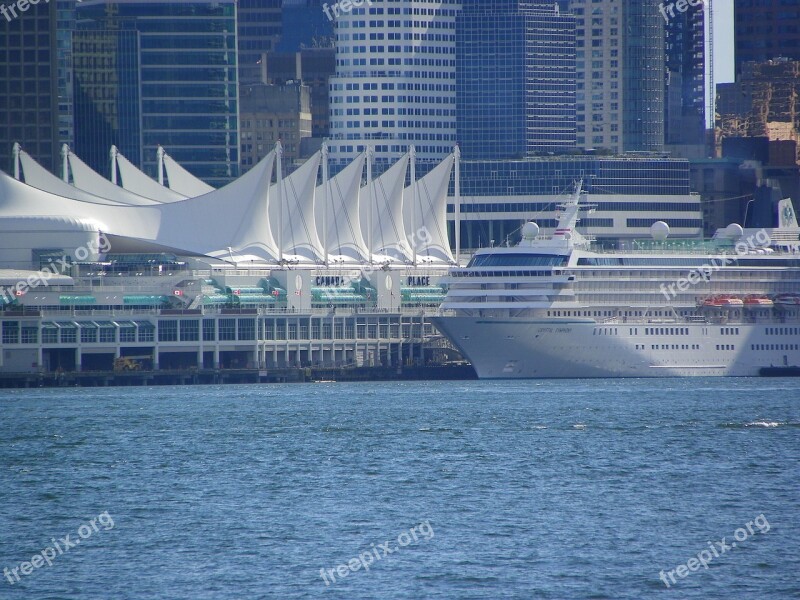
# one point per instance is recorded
(370, 200)
(160, 154)
(412, 153)
(113, 154)
(278, 158)
(325, 202)
(65, 162)
(457, 200)
(16, 150)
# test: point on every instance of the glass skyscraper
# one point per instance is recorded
(515, 79)
(150, 73)
(260, 28)
(28, 84)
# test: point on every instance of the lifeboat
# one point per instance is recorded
(787, 299)
(755, 301)
(728, 300)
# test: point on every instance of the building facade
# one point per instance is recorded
(764, 30)
(684, 120)
(270, 113)
(150, 73)
(260, 28)
(395, 80)
(29, 105)
(515, 79)
(620, 71)
(630, 193)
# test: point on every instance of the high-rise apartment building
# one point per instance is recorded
(764, 30)
(515, 79)
(620, 71)
(29, 83)
(395, 81)
(158, 73)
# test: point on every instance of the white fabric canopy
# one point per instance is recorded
(426, 219)
(181, 181)
(232, 217)
(344, 236)
(388, 229)
(299, 227)
(84, 178)
(134, 180)
(35, 175)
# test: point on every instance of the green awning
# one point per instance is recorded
(76, 300)
(144, 300)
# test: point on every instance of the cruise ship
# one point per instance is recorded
(560, 306)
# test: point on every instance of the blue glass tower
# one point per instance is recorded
(150, 73)
(515, 79)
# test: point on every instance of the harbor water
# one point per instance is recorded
(561, 489)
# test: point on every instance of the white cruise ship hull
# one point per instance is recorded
(530, 348)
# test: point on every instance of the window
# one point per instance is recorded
(247, 329)
(190, 330)
(168, 330)
(227, 329)
(209, 330)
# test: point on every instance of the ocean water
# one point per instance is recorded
(535, 489)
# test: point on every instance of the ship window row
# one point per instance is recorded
(726, 347)
(605, 331)
(774, 346)
(729, 331)
(673, 347)
(517, 260)
(666, 331)
(783, 330)
(501, 273)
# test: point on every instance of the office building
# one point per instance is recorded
(515, 79)
(620, 71)
(764, 30)
(260, 28)
(395, 81)
(685, 85)
(273, 112)
(29, 83)
(158, 73)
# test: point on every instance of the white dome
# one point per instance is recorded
(734, 231)
(659, 231)
(530, 230)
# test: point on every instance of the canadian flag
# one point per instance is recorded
(19, 293)
(177, 292)
(298, 293)
(275, 293)
(237, 292)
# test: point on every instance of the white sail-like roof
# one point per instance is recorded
(84, 178)
(181, 181)
(427, 225)
(134, 180)
(300, 236)
(344, 236)
(388, 229)
(35, 175)
(231, 219)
